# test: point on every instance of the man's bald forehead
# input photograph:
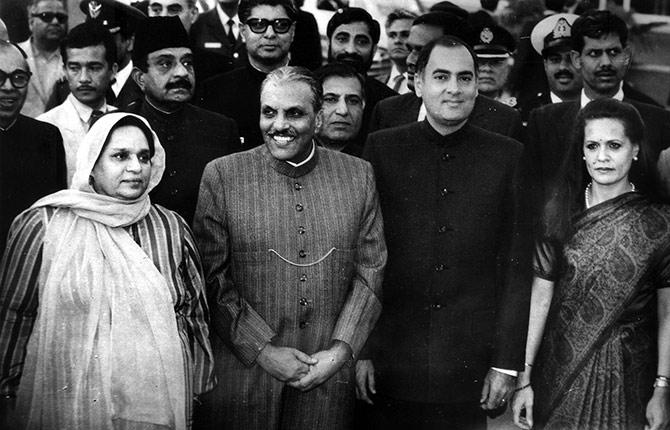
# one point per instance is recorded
(11, 54)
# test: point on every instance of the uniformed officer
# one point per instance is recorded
(551, 38)
(494, 47)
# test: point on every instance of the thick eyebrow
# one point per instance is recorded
(165, 57)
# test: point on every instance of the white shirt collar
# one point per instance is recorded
(225, 18)
(83, 111)
(121, 78)
(422, 112)
(554, 98)
(311, 154)
(585, 100)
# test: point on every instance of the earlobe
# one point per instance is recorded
(138, 77)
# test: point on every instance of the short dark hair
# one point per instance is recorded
(555, 5)
(297, 74)
(566, 197)
(87, 34)
(245, 7)
(449, 23)
(132, 121)
(397, 14)
(341, 70)
(447, 42)
(596, 24)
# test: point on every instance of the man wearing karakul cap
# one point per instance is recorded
(191, 136)
(551, 38)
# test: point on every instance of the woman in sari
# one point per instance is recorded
(599, 328)
(103, 319)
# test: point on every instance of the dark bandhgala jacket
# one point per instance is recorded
(457, 283)
(488, 114)
(191, 137)
(32, 165)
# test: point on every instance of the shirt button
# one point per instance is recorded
(302, 254)
(303, 302)
(442, 229)
(298, 186)
(436, 306)
(170, 138)
(235, 55)
(303, 324)
(301, 230)
(439, 267)
(298, 207)
(444, 192)
(303, 278)
(172, 173)
(446, 157)
(174, 192)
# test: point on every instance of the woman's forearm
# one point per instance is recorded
(542, 293)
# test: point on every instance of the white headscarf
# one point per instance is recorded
(104, 352)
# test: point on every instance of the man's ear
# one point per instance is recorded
(138, 77)
(576, 59)
(418, 84)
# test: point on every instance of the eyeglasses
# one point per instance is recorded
(18, 78)
(259, 25)
(47, 17)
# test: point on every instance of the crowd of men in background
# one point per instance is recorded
(462, 157)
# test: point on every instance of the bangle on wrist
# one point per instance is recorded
(527, 364)
(662, 382)
(516, 390)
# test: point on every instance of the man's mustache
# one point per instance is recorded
(180, 83)
(564, 74)
(350, 58)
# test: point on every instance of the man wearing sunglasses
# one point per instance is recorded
(268, 28)
(48, 25)
(32, 160)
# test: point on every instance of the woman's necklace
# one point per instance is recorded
(587, 193)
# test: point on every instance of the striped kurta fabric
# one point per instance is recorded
(165, 238)
(294, 255)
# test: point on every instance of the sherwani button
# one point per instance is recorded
(303, 278)
(298, 207)
(302, 254)
(298, 186)
(301, 230)
(444, 192)
(303, 302)
(439, 267)
(303, 324)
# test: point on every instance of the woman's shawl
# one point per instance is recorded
(615, 251)
(104, 352)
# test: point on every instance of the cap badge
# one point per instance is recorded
(94, 8)
(486, 35)
(562, 29)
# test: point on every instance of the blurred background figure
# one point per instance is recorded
(494, 48)
(484, 16)
(186, 10)
(398, 24)
(48, 26)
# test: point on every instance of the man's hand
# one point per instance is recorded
(658, 412)
(498, 389)
(328, 362)
(284, 363)
(365, 380)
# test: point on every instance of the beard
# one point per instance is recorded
(356, 61)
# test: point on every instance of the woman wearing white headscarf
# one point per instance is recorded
(106, 291)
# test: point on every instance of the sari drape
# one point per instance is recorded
(596, 363)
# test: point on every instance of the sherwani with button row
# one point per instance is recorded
(292, 255)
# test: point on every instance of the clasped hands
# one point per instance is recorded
(299, 370)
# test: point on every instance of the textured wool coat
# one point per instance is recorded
(294, 255)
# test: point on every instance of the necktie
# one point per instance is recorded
(231, 35)
(397, 82)
(95, 115)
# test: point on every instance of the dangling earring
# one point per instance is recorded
(584, 158)
(635, 158)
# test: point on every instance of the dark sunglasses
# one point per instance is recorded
(259, 25)
(47, 17)
(18, 78)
